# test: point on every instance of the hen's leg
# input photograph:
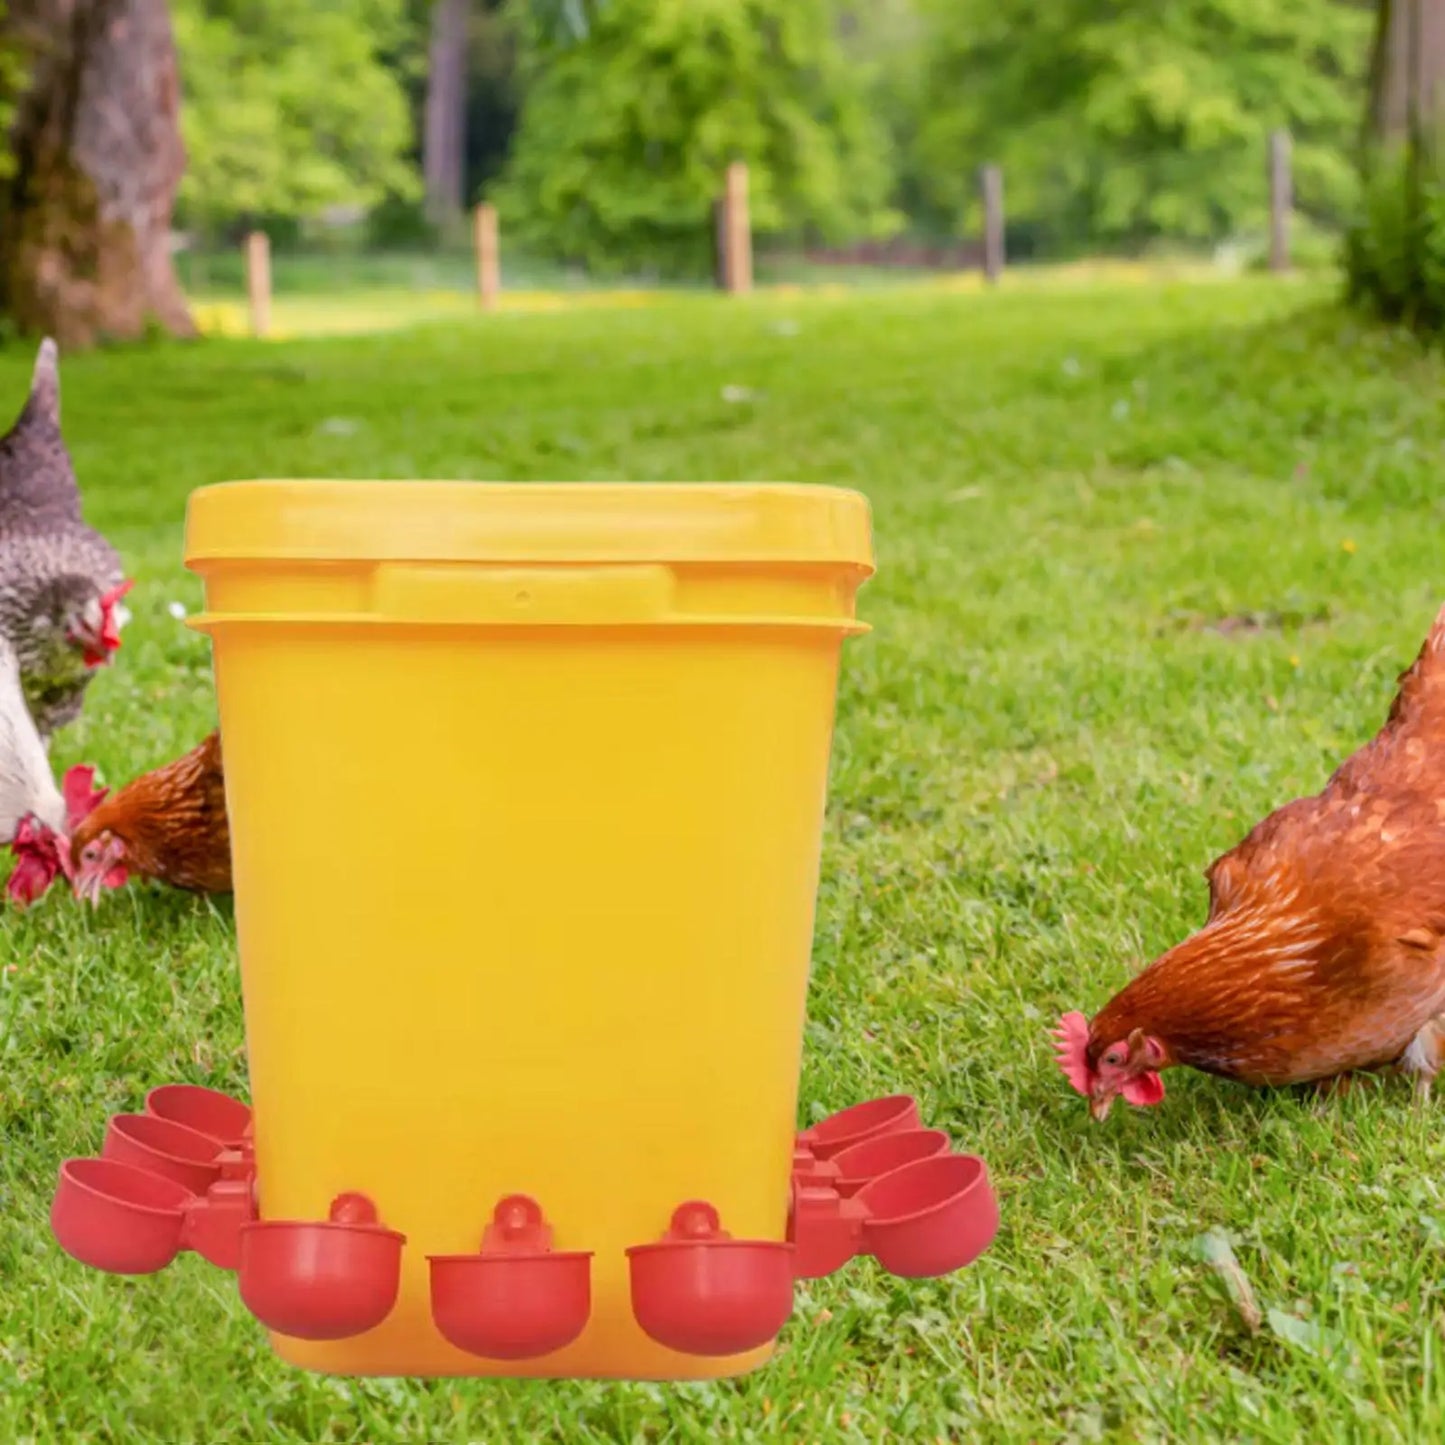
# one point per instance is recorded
(1422, 1059)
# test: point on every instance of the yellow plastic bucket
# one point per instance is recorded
(526, 786)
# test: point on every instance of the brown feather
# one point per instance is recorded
(172, 821)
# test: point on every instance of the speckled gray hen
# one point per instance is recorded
(60, 580)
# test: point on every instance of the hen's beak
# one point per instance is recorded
(1099, 1105)
(87, 634)
(88, 887)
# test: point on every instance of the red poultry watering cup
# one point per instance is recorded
(701, 1292)
(118, 1218)
(892, 1114)
(114, 1216)
(850, 1169)
(929, 1217)
(208, 1111)
(511, 1307)
(321, 1279)
(150, 1142)
(517, 1298)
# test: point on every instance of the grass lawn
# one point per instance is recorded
(1150, 559)
(347, 296)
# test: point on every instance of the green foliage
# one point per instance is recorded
(1395, 248)
(889, 43)
(12, 78)
(1128, 122)
(1312, 247)
(557, 22)
(626, 133)
(290, 108)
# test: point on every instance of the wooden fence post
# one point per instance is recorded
(1281, 200)
(991, 185)
(737, 232)
(489, 266)
(258, 281)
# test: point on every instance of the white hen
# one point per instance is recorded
(26, 783)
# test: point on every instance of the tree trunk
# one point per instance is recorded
(1407, 71)
(85, 218)
(444, 143)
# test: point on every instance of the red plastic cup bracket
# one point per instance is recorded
(516, 1298)
(353, 1208)
(233, 1164)
(517, 1226)
(214, 1223)
(696, 1221)
(824, 1228)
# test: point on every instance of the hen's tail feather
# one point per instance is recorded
(1422, 684)
(45, 381)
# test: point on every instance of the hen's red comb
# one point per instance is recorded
(1071, 1039)
(80, 794)
(110, 629)
(40, 852)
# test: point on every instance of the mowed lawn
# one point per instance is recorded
(1150, 560)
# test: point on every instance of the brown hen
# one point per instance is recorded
(169, 824)
(1324, 949)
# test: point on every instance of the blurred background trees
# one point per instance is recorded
(602, 127)
(626, 131)
(1395, 246)
(1121, 125)
(293, 110)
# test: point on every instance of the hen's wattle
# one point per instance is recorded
(42, 854)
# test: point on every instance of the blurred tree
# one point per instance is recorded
(12, 77)
(1123, 123)
(469, 95)
(494, 94)
(445, 133)
(94, 156)
(293, 108)
(888, 40)
(1407, 69)
(494, 83)
(626, 133)
(1395, 250)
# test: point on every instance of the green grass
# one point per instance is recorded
(354, 293)
(1039, 748)
(346, 272)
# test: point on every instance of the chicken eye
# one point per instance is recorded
(1114, 1057)
(91, 853)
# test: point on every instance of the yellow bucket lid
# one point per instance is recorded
(341, 521)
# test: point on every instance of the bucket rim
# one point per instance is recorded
(727, 524)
